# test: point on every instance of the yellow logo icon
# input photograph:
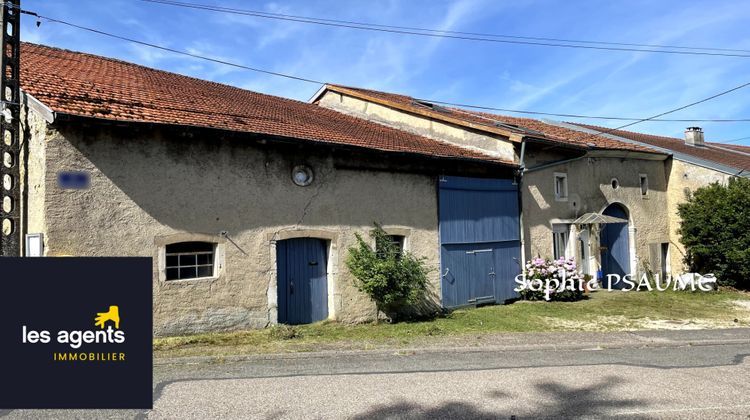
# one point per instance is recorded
(112, 315)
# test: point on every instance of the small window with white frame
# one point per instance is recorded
(560, 235)
(644, 184)
(561, 186)
(190, 260)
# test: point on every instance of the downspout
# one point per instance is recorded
(519, 181)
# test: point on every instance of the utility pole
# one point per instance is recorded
(10, 144)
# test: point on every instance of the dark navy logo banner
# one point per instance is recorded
(76, 333)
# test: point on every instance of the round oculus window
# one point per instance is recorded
(302, 175)
(615, 184)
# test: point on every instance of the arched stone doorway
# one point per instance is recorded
(615, 244)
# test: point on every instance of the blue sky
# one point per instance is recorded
(560, 80)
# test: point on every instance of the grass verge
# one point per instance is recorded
(603, 311)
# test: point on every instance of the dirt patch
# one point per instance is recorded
(599, 323)
(687, 324)
(621, 323)
(742, 304)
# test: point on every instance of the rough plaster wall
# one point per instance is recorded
(685, 177)
(495, 145)
(589, 187)
(146, 186)
(35, 130)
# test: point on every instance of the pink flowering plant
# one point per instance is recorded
(558, 280)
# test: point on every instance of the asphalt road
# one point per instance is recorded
(677, 379)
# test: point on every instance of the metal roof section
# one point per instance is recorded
(730, 170)
(596, 218)
(524, 130)
(430, 105)
(715, 146)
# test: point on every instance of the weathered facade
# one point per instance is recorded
(693, 163)
(249, 203)
(589, 174)
(684, 178)
(226, 200)
(642, 177)
(590, 190)
(149, 189)
(495, 142)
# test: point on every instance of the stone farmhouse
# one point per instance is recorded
(248, 203)
(565, 191)
(694, 163)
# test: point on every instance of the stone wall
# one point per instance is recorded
(489, 143)
(683, 178)
(151, 187)
(33, 175)
(589, 180)
(590, 190)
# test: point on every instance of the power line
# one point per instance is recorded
(594, 117)
(303, 79)
(733, 140)
(318, 82)
(609, 131)
(240, 11)
(172, 50)
(467, 36)
(228, 9)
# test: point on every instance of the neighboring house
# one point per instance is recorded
(695, 163)
(247, 203)
(572, 184)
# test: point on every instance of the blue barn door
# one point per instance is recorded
(480, 247)
(615, 245)
(302, 285)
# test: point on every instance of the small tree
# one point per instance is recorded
(715, 230)
(392, 278)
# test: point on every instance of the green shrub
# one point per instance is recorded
(715, 229)
(394, 280)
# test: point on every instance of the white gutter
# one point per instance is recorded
(40, 108)
(318, 94)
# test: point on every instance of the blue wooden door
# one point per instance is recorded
(615, 245)
(468, 274)
(302, 285)
(479, 239)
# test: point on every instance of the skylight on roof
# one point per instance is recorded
(431, 106)
(518, 128)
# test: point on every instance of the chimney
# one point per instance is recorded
(694, 136)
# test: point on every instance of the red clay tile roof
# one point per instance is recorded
(487, 122)
(711, 153)
(87, 85)
(568, 136)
